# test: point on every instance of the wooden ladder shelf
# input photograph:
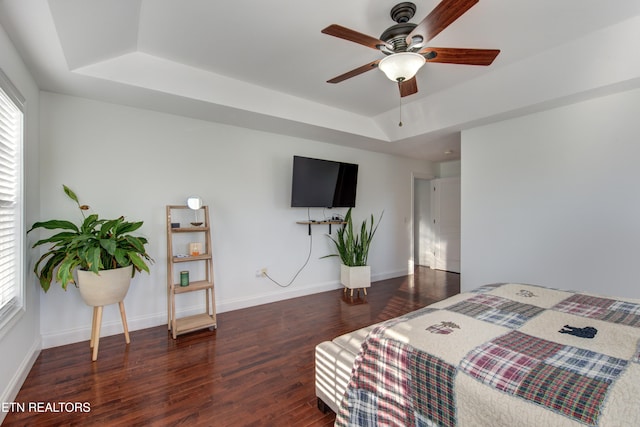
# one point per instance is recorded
(200, 234)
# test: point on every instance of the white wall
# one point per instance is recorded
(132, 162)
(20, 345)
(449, 169)
(552, 198)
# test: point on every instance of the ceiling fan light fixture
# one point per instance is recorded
(401, 66)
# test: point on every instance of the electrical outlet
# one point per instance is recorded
(262, 272)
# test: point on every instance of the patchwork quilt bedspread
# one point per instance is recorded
(501, 355)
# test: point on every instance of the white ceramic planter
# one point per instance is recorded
(98, 290)
(108, 287)
(355, 277)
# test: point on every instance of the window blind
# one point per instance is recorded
(11, 119)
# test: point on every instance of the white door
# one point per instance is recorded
(445, 204)
(423, 227)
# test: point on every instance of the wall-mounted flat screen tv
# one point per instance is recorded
(318, 183)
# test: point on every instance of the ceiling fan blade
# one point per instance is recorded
(450, 55)
(353, 36)
(440, 18)
(408, 87)
(355, 72)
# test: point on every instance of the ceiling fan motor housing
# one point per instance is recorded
(396, 34)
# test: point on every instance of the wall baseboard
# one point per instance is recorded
(114, 327)
(11, 390)
(254, 300)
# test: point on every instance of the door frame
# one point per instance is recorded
(414, 176)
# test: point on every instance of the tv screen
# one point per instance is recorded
(318, 183)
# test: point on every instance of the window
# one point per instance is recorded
(11, 227)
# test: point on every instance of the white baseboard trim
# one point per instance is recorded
(114, 327)
(11, 390)
(390, 275)
(240, 303)
(254, 300)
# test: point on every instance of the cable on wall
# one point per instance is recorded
(303, 265)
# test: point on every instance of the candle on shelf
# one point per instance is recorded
(195, 249)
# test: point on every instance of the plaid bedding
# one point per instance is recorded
(501, 355)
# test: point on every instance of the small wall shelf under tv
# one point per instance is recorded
(327, 222)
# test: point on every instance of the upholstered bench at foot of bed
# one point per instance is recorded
(333, 361)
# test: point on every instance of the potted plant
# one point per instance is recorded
(353, 250)
(103, 253)
(96, 248)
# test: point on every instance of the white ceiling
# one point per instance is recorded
(263, 64)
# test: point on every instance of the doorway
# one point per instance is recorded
(436, 233)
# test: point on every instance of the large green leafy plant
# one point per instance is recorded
(96, 244)
(351, 247)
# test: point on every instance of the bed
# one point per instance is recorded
(501, 355)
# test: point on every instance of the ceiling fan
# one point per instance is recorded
(404, 44)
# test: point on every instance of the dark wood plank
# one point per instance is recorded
(408, 87)
(355, 72)
(256, 369)
(448, 55)
(443, 15)
(353, 36)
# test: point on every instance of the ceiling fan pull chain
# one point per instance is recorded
(400, 86)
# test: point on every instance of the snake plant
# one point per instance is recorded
(353, 247)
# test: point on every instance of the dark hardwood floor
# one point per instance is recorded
(257, 368)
